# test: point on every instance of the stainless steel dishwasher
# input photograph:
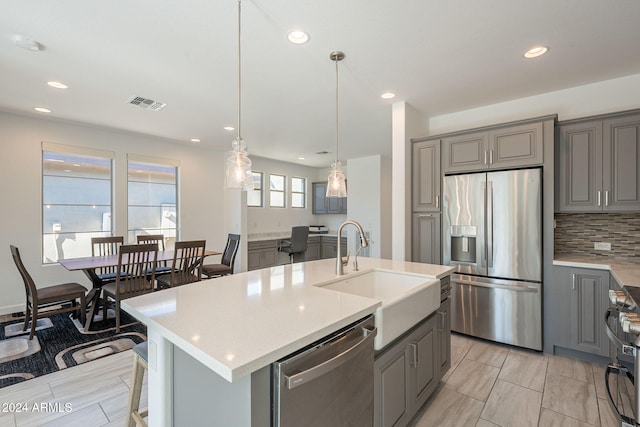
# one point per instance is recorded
(329, 383)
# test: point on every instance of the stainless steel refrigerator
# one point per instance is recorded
(492, 234)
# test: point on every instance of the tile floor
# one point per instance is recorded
(496, 385)
(488, 385)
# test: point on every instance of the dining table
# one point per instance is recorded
(89, 264)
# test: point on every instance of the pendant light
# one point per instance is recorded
(238, 164)
(336, 185)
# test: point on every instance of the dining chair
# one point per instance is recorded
(186, 266)
(50, 296)
(228, 259)
(134, 263)
(104, 246)
(296, 246)
(162, 266)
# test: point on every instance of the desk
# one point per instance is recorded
(90, 263)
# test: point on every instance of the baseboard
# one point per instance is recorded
(9, 309)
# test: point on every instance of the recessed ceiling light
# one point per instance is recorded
(229, 128)
(58, 85)
(194, 140)
(300, 158)
(42, 110)
(28, 43)
(536, 51)
(298, 37)
(387, 95)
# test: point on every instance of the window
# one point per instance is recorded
(153, 192)
(298, 191)
(254, 197)
(276, 191)
(76, 200)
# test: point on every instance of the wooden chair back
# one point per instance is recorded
(231, 250)
(187, 262)
(104, 246)
(137, 266)
(152, 238)
(31, 292)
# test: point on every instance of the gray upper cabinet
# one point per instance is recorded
(597, 165)
(500, 147)
(621, 163)
(516, 146)
(465, 152)
(426, 176)
(579, 167)
(326, 205)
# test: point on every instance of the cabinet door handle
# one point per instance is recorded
(490, 157)
(598, 197)
(606, 197)
(485, 157)
(437, 201)
(573, 282)
(414, 347)
(442, 314)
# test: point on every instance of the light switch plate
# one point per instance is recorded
(602, 246)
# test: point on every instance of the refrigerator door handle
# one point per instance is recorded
(483, 249)
(520, 287)
(490, 223)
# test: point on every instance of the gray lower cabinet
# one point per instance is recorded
(330, 246)
(497, 147)
(580, 299)
(313, 249)
(443, 328)
(406, 374)
(262, 254)
(426, 234)
(597, 165)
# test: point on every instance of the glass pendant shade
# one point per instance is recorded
(238, 167)
(336, 185)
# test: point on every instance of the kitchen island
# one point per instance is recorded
(211, 343)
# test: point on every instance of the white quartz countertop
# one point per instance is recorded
(238, 324)
(626, 273)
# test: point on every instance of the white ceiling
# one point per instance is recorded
(439, 56)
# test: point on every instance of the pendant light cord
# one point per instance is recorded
(239, 73)
(336, 61)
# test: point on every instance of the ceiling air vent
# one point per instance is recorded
(147, 104)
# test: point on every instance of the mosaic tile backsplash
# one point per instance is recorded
(576, 233)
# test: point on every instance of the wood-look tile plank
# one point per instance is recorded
(473, 379)
(116, 406)
(512, 405)
(607, 415)
(485, 423)
(571, 397)
(598, 377)
(571, 368)
(550, 418)
(7, 419)
(450, 409)
(487, 353)
(525, 369)
(89, 416)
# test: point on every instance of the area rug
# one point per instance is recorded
(60, 343)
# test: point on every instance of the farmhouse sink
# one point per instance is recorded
(406, 299)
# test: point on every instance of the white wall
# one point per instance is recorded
(582, 101)
(201, 193)
(266, 219)
(407, 123)
(369, 202)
